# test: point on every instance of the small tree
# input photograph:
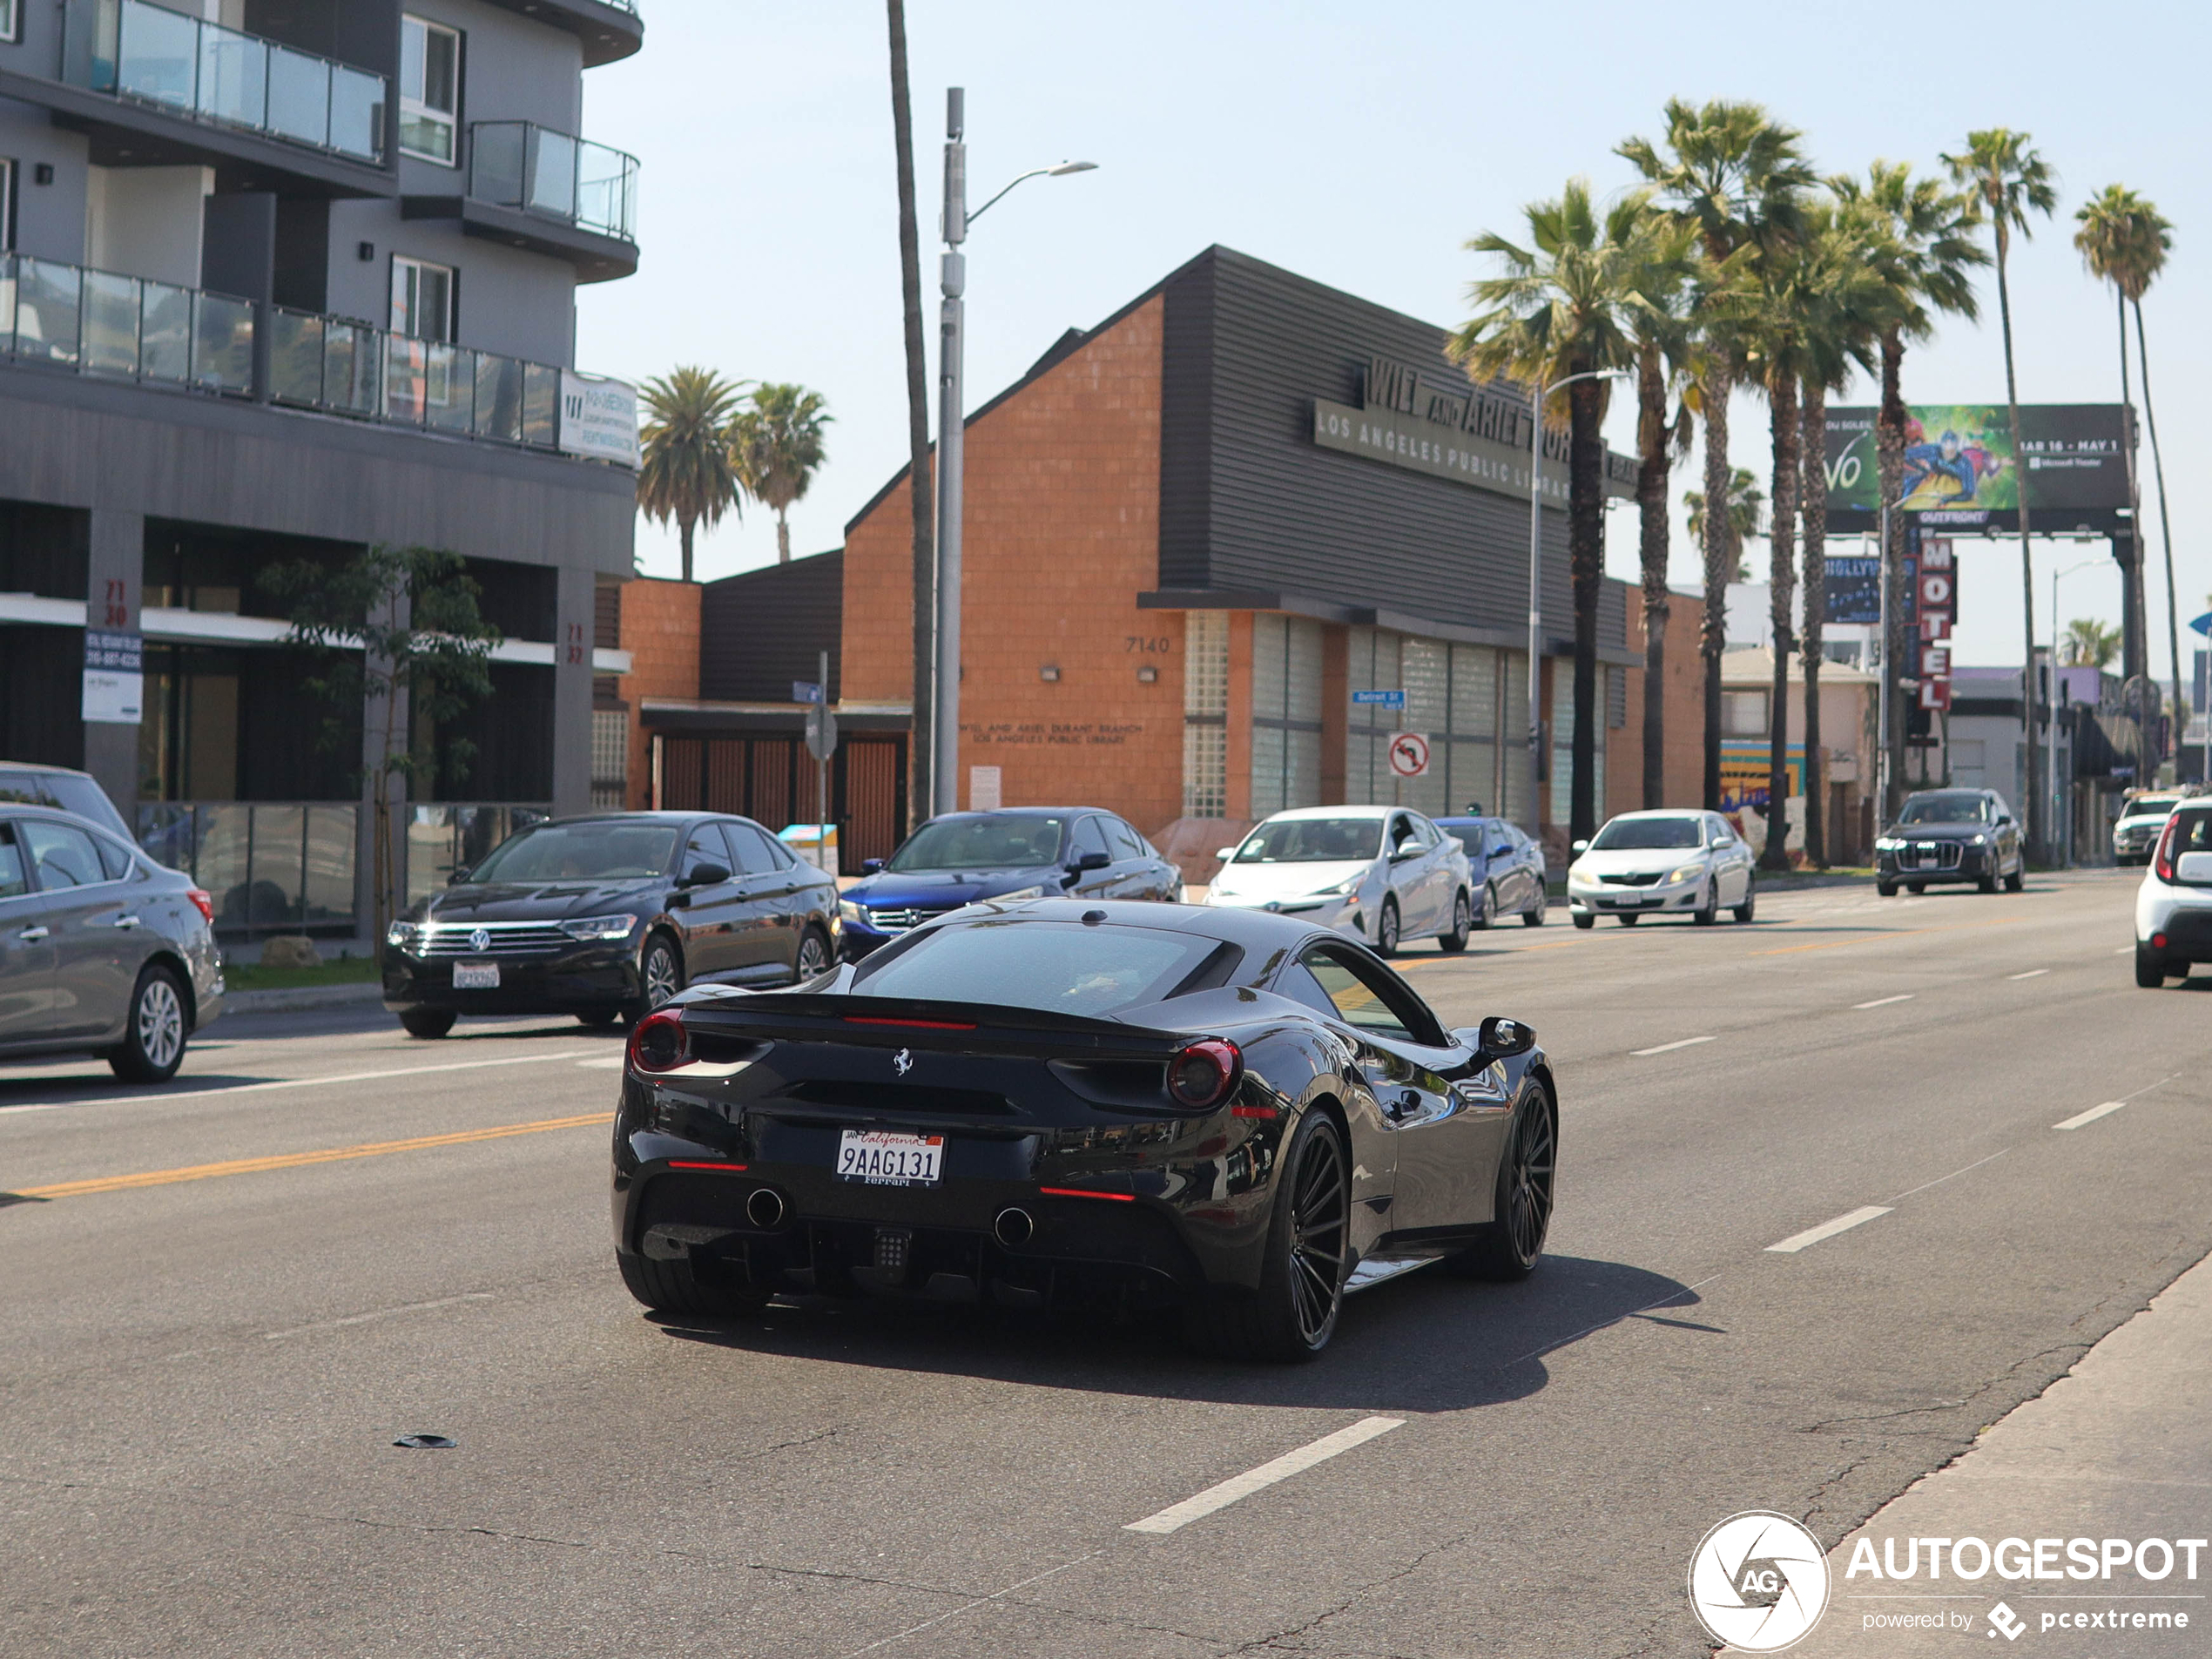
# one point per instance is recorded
(775, 447)
(684, 473)
(392, 626)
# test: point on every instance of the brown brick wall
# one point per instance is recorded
(1684, 772)
(660, 630)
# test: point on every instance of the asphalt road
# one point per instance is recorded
(204, 1369)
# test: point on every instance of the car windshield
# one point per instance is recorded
(2151, 806)
(1312, 841)
(605, 851)
(1951, 808)
(1061, 968)
(991, 843)
(1638, 835)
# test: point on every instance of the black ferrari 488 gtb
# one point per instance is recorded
(1051, 1103)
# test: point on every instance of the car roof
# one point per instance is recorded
(1364, 811)
(1253, 929)
(1659, 811)
(1022, 812)
(40, 765)
(38, 809)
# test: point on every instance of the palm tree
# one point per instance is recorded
(1745, 516)
(2088, 641)
(1558, 310)
(2007, 180)
(1925, 257)
(2124, 239)
(685, 472)
(775, 445)
(1737, 178)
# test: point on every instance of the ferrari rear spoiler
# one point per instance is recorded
(905, 1023)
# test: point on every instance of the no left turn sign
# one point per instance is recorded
(1409, 754)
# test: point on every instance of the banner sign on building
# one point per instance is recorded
(1960, 470)
(114, 678)
(1854, 590)
(598, 418)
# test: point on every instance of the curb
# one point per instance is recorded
(297, 997)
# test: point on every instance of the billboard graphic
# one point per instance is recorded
(1854, 591)
(1959, 460)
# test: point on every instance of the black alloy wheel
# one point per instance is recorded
(813, 955)
(1386, 929)
(1293, 1313)
(1630, 917)
(154, 1033)
(1708, 911)
(1513, 1242)
(1989, 881)
(660, 975)
(1463, 919)
(2018, 879)
(1533, 916)
(427, 1022)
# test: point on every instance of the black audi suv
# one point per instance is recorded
(1950, 836)
(608, 916)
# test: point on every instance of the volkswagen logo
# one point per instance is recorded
(903, 1062)
(1758, 1581)
(480, 939)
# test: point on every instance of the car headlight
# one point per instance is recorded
(1980, 840)
(848, 911)
(600, 927)
(1887, 844)
(1578, 873)
(1687, 873)
(1350, 884)
(1016, 896)
(402, 934)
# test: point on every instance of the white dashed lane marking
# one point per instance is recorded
(2032, 973)
(1668, 1048)
(1843, 1224)
(1282, 1469)
(1883, 1001)
(2092, 1114)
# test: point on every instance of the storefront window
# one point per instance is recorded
(1453, 696)
(1286, 713)
(1205, 714)
(1563, 736)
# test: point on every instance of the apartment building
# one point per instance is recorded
(282, 279)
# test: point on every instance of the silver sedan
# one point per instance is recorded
(1645, 862)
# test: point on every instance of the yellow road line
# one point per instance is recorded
(1899, 933)
(296, 1160)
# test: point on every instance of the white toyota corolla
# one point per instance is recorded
(2174, 906)
(1641, 862)
(1380, 874)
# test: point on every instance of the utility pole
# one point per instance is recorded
(951, 438)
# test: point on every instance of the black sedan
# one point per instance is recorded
(1110, 1106)
(1950, 836)
(1508, 865)
(606, 917)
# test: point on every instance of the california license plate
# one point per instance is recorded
(884, 1158)
(475, 976)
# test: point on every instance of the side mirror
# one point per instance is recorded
(704, 875)
(1499, 851)
(1225, 853)
(1581, 846)
(1499, 1038)
(1089, 861)
(871, 866)
(460, 875)
(1405, 849)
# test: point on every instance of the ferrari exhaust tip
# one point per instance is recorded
(764, 1208)
(1012, 1228)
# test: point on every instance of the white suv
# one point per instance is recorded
(2174, 906)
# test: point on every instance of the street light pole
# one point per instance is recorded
(952, 430)
(1536, 589)
(2057, 840)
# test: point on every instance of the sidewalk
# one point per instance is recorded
(2119, 1449)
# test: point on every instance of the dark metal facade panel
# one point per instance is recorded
(762, 630)
(73, 441)
(1186, 427)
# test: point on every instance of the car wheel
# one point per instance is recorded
(427, 1022)
(1293, 1313)
(815, 959)
(1709, 912)
(1533, 916)
(1463, 919)
(1488, 916)
(1511, 1245)
(1887, 889)
(1386, 929)
(2018, 879)
(1631, 919)
(2150, 968)
(153, 1034)
(660, 976)
(672, 1287)
(600, 1018)
(1750, 907)
(1582, 921)
(1915, 887)
(1989, 883)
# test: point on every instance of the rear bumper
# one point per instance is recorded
(579, 980)
(2185, 924)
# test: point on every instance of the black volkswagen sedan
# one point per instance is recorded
(1950, 836)
(1110, 1106)
(607, 917)
(1018, 853)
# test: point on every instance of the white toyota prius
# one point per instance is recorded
(1642, 862)
(1380, 874)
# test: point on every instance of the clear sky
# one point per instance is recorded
(1360, 146)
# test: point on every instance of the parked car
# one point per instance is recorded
(1945, 835)
(26, 783)
(1657, 861)
(1017, 852)
(2174, 905)
(102, 951)
(1381, 873)
(2142, 817)
(1506, 866)
(608, 916)
(1095, 1106)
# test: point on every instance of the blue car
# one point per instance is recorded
(1018, 852)
(1509, 866)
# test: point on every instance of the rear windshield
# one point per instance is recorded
(1312, 841)
(1061, 968)
(1637, 834)
(1945, 809)
(601, 851)
(980, 843)
(2150, 806)
(2193, 834)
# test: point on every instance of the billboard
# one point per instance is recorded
(1959, 464)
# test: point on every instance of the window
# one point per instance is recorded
(10, 20)
(601, 850)
(421, 298)
(63, 856)
(7, 183)
(1088, 840)
(14, 880)
(1205, 713)
(1364, 999)
(706, 847)
(1125, 842)
(1743, 714)
(429, 89)
(748, 850)
(1059, 967)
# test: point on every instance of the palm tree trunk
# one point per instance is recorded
(920, 788)
(1586, 562)
(1651, 506)
(2137, 614)
(783, 538)
(1889, 460)
(1782, 397)
(2165, 525)
(2029, 785)
(1813, 507)
(684, 537)
(1720, 566)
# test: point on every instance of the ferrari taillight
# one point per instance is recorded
(202, 901)
(1204, 1073)
(658, 1041)
(2163, 859)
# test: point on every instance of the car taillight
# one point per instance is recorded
(202, 901)
(658, 1041)
(1204, 1073)
(2163, 860)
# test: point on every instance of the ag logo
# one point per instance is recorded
(903, 1062)
(1758, 1581)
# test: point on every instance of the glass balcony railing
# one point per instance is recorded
(152, 55)
(103, 324)
(520, 164)
(270, 866)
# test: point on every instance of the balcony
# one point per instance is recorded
(552, 192)
(607, 29)
(103, 325)
(248, 99)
